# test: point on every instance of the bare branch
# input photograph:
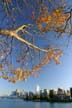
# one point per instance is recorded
(15, 35)
(23, 27)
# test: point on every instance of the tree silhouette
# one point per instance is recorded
(25, 26)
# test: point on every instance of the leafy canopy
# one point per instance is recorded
(26, 27)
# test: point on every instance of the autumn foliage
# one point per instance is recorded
(20, 55)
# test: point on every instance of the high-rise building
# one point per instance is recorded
(71, 92)
(22, 93)
(67, 93)
(31, 95)
(45, 93)
(37, 89)
(51, 93)
(17, 92)
(60, 91)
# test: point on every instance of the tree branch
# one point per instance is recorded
(13, 33)
(23, 27)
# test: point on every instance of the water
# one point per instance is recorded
(16, 103)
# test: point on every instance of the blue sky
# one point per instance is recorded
(52, 76)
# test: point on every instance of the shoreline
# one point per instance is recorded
(42, 100)
(51, 101)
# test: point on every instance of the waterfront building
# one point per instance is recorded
(22, 93)
(17, 92)
(25, 95)
(60, 94)
(51, 93)
(45, 93)
(67, 95)
(71, 92)
(31, 95)
(38, 90)
(60, 91)
(13, 93)
(41, 91)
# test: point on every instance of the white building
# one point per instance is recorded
(37, 89)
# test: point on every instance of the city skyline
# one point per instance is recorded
(38, 90)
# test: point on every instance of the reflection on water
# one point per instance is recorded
(16, 103)
(37, 105)
(52, 105)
